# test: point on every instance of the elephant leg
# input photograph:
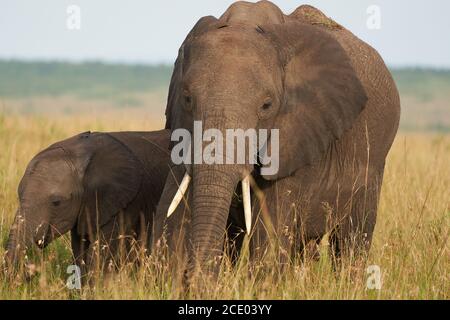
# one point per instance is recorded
(96, 263)
(177, 228)
(235, 232)
(275, 221)
(351, 239)
(171, 232)
(103, 251)
(120, 243)
(80, 247)
(309, 250)
(89, 255)
(261, 233)
(143, 234)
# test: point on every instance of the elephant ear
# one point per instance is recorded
(111, 180)
(175, 97)
(322, 94)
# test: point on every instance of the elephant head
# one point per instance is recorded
(255, 68)
(80, 182)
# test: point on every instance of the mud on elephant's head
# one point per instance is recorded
(74, 183)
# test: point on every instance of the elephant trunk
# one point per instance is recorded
(18, 241)
(213, 188)
(24, 232)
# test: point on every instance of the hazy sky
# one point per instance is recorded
(150, 31)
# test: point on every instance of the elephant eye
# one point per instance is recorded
(266, 110)
(187, 100)
(56, 203)
(267, 105)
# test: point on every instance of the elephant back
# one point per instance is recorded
(378, 123)
(310, 15)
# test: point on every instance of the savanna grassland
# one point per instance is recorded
(43, 103)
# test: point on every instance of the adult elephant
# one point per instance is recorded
(337, 110)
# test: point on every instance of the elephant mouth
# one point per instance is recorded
(43, 235)
(246, 198)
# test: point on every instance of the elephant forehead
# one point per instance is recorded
(222, 42)
(262, 12)
(231, 53)
(50, 175)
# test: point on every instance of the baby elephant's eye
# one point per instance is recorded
(56, 203)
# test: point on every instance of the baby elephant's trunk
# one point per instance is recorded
(17, 242)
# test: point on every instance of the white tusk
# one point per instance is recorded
(247, 204)
(179, 195)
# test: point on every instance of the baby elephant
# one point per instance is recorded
(103, 187)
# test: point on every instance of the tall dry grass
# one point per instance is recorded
(410, 242)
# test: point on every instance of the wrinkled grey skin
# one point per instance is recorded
(337, 109)
(114, 179)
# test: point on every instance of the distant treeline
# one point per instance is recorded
(88, 80)
(98, 80)
(425, 93)
(424, 84)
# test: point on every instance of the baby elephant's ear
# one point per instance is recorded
(111, 181)
(323, 95)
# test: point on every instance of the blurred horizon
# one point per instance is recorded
(53, 89)
(170, 64)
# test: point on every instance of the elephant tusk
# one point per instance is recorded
(179, 195)
(247, 204)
